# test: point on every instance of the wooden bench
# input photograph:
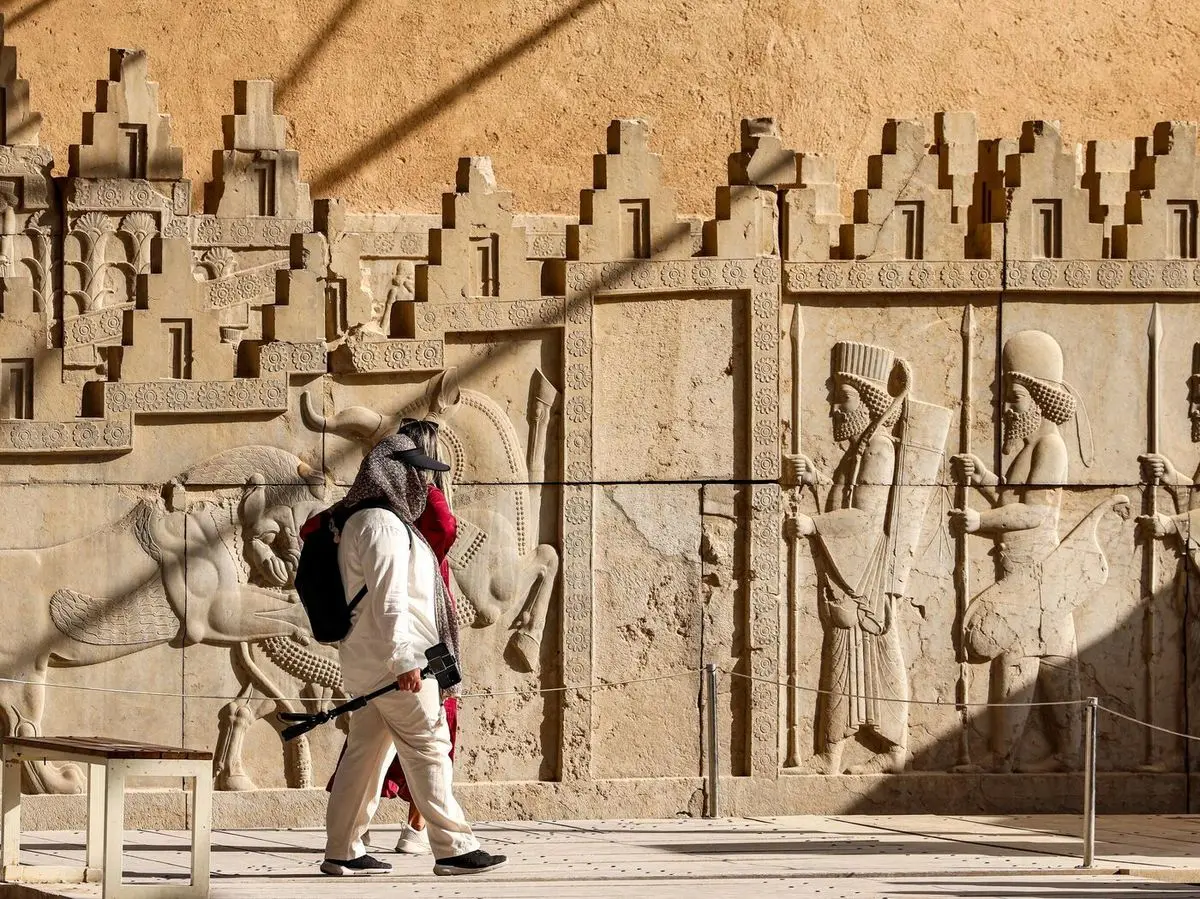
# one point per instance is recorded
(108, 762)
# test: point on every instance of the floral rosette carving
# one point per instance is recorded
(178, 397)
(489, 315)
(459, 318)
(765, 337)
(766, 401)
(799, 277)
(579, 344)
(1174, 274)
(1078, 274)
(889, 276)
(920, 275)
(210, 396)
(1045, 274)
(550, 312)
(982, 276)
(116, 398)
(952, 276)
(117, 433)
(859, 276)
(1110, 274)
(611, 274)
(577, 510)
(240, 231)
(674, 275)
(579, 277)
(108, 194)
(579, 377)
(766, 465)
(766, 272)
(366, 358)
(579, 443)
(766, 370)
(579, 312)
(643, 276)
(733, 274)
(578, 409)
(1015, 274)
(704, 273)
(1141, 275)
(208, 231)
(398, 356)
(520, 315)
(766, 431)
(830, 276)
(430, 354)
(274, 234)
(241, 396)
(274, 394)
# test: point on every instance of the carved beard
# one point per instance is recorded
(1196, 429)
(1019, 425)
(849, 425)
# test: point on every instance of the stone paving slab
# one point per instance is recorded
(832, 857)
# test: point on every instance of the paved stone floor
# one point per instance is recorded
(839, 857)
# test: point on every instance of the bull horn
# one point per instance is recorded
(353, 422)
(443, 393)
(312, 418)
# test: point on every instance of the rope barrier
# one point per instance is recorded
(602, 685)
(1164, 730)
(933, 702)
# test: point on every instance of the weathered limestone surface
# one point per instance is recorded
(939, 448)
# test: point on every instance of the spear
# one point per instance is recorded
(1154, 335)
(962, 560)
(793, 749)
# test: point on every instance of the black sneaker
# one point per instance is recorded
(469, 863)
(365, 864)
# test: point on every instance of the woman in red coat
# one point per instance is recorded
(439, 527)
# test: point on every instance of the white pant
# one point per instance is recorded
(416, 724)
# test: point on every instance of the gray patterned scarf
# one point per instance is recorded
(402, 488)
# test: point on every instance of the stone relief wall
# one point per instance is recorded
(935, 454)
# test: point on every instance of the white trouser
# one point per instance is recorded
(416, 724)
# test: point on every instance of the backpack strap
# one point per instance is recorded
(358, 597)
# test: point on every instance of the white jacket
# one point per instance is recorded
(396, 621)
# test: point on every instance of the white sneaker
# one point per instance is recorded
(412, 841)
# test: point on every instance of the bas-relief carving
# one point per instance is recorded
(143, 316)
(161, 574)
(865, 538)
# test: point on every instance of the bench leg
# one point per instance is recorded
(114, 828)
(202, 798)
(95, 818)
(10, 807)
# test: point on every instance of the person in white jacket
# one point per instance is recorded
(398, 619)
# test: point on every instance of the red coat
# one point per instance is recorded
(439, 528)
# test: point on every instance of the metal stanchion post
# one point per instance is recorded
(710, 680)
(1089, 783)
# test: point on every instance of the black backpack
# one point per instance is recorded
(318, 577)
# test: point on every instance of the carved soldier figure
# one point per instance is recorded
(1023, 622)
(859, 587)
(1158, 469)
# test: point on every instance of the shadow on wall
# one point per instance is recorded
(14, 19)
(343, 168)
